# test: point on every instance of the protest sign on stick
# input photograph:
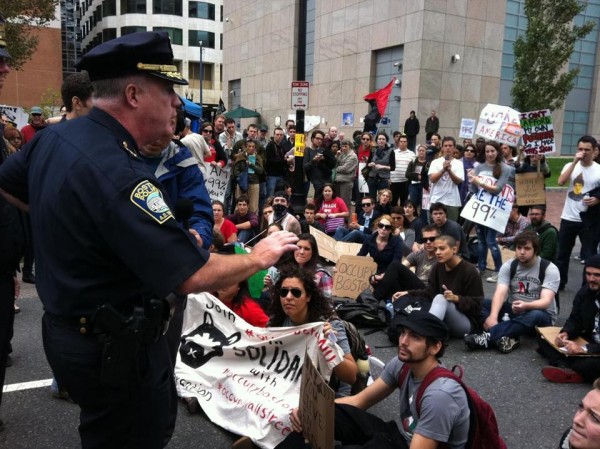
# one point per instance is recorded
(499, 123)
(467, 128)
(488, 209)
(530, 188)
(538, 132)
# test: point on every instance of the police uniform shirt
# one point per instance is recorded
(103, 231)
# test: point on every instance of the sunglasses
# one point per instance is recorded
(365, 138)
(296, 292)
(469, 151)
(384, 226)
(366, 204)
(429, 239)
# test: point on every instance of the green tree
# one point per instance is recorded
(22, 17)
(541, 54)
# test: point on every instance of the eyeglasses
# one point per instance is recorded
(366, 204)
(384, 226)
(429, 239)
(296, 292)
(207, 130)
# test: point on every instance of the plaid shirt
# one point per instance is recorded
(513, 229)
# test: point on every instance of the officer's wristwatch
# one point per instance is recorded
(585, 349)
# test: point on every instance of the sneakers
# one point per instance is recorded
(507, 344)
(561, 375)
(493, 278)
(477, 341)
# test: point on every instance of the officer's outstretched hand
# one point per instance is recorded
(268, 251)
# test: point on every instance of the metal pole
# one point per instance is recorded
(201, 79)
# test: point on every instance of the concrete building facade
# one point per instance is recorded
(447, 56)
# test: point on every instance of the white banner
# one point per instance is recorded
(247, 379)
(362, 182)
(490, 210)
(216, 180)
(15, 114)
(499, 123)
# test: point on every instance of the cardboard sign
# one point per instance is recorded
(317, 408)
(499, 123)
(216, 181)
(538, 132)
(352, 275)
(467, 128)
(247, 379)
(549, 334)
(530, 188)
(331, 249)
(490, 210)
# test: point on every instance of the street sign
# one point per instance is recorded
(300, 95)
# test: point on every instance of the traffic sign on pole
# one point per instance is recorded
(300, 95)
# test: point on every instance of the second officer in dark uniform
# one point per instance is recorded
(109, 250)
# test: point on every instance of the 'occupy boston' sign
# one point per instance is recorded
(246, 379)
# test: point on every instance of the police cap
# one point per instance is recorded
(3, 51)
(147, 52)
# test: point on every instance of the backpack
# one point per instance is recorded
(483, 426)
(360, 351)
(541, 276)
(362, 314)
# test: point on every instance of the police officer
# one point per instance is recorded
(109, 249)
(12, 243)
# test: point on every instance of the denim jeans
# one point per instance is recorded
(521, 324)
(487, 240)
(568, 232)
(271, 183)
(415, 193)
(346, 235)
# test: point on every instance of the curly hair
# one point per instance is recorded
(319, 308)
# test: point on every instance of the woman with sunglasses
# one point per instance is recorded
(469, 163)
(402, 228)
(382, 245)
(364, 154)
(216, 155)
(490, 176)
(454, 288)
(296, 300)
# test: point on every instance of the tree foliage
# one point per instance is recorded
(541, 78)
(22, 17)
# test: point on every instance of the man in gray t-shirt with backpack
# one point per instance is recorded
(524, 298)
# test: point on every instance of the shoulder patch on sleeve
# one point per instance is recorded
(149, 198)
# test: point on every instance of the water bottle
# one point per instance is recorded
(584, 207)
(390, 308)
(506, 317)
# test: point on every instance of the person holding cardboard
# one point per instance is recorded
(567, 365)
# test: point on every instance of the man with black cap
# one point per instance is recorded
(12, 242)
(444, 410)
(109, 249)
(584, 321)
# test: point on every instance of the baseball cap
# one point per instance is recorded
(37, 110)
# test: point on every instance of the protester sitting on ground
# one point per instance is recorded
(331, 209)
(282, 215)
(222, 224)
(245, 221)
(401, 228)
(585, 430)
(382, 246)
(273, 227)
(449, 227)
(412, 220)
(399, 277)
(266, 215)
(309, 220)
(517, 223)
(583, 322)
(296, 300)
(521, 300)
(357, 231)
(307, 258)
(237, 298)
(444, 409)
(384, 202)
(454, 288)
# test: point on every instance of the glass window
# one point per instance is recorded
(109, 8)
(207, 38)
(581, 117)
(130, 30)
(202, 10)
(512, 20)
(108, 34)
(133, 6)
(175, 34)
(171, 7)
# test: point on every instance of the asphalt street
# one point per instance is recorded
(532, 412)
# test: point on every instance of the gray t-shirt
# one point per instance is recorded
(525, 286)
(444, 408)
(422, 263)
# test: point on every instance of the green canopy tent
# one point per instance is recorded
(242, 112)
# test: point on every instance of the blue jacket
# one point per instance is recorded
(178, 172)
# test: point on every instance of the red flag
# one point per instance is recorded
(381, 97)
